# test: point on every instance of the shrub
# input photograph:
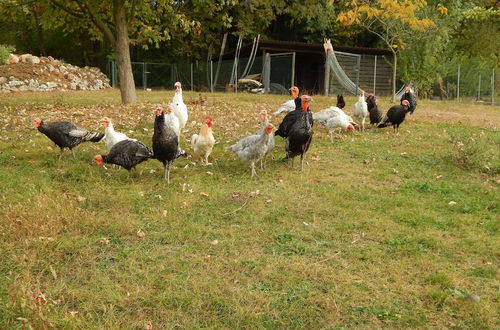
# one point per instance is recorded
(474, 150)
(5, 52)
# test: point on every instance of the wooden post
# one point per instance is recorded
(327, 74)
(458, 84)
(375, 75)
(293, 71)
(267, 73)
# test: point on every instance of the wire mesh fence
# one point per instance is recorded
(212, 75)
(276, 74)
(467, 83)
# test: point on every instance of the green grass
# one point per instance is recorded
(348, 243)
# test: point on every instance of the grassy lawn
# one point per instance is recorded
(364, 237)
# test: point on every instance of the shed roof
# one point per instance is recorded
(302, 47)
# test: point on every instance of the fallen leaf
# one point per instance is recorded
(41, 300)
(235, 194)
(207, 257)
(404, 154)
(158, 196)
(81, 199)
(164, 212)
(184, 205)
(104, 241)
(209, 173)
(73, 313)
(140, 233)
(214, 242)
(204, 194)
(452, 203)
(269, 201)
(395, 171)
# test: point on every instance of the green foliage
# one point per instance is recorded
(5, 51)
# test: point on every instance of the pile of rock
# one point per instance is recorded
(42, 74)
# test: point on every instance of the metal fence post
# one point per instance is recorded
(192, 87)
(493, 87)
(458, 84)
(375, 75)
(212, 76)
(479, 89)
(293, 70)
(358, 69)
(144, 75)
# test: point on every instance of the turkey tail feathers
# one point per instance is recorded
(94, 137)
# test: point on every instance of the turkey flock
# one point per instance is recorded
(296, 128)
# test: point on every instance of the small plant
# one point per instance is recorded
(5, 51)
(473, 150)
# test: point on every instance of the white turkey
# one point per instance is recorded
(178, 105)
(112, 137)
(361, 109)
(334, 119)
(292, 104)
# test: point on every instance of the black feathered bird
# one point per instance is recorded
(290, 118)
(340, 101)
(396, 115)
(127, 154)
(65, 134)
(300, 133)
(375, 113)
(165, 140)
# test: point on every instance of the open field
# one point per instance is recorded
(363, 238)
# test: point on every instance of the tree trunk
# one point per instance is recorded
(122, 48)
(395, 66)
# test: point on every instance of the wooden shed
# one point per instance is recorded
(303, 64)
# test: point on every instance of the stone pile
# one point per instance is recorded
(43, 74)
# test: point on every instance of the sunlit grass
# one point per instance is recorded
(364, 237)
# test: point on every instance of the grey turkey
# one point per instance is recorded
(300, 134)
(165, 140)
(127, 154)
(65, 134)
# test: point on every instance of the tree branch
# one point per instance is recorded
(131, 15)
(101, 26)
(67, 9)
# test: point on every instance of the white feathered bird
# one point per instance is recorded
(178, 105)
(112, 137)
(171, 120)
(270, 142)
(361, 109)
(253, 147)
(333, 118)
(203, 143)
(289, 105)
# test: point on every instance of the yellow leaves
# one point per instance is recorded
(442, 9)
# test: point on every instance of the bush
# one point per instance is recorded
(5, 51)
(474, 150)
